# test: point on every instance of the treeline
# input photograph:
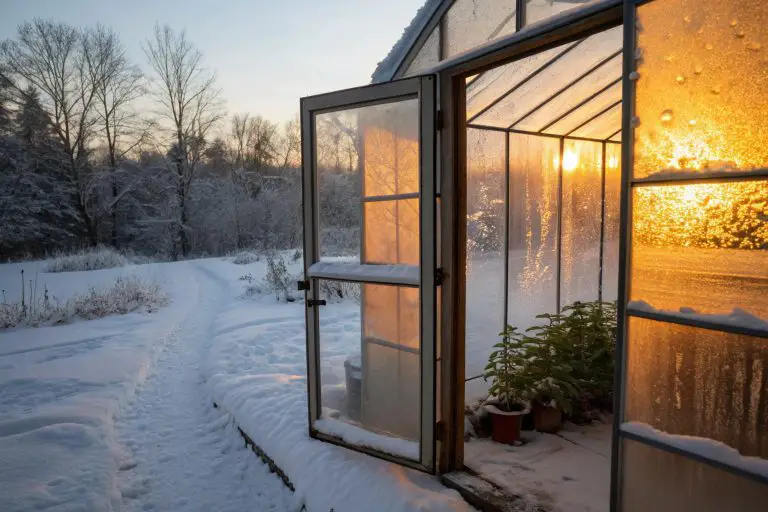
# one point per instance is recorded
(96, 150)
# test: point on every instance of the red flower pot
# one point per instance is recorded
(505, 426)
(546, 418)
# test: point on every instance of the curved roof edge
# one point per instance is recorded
(386, 69)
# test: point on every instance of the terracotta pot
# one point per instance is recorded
(546, 418)
(505, 425)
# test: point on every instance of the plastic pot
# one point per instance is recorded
(546, 418)
(505, 426)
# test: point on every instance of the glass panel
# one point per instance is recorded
(537, 10)
(697, 382)
(612, 225)
(665, 482)
(428, 56)
(373, 148)
(391, 232)
(369, 365)
(581, 216)
(703, 248)
(485, 246)
(702, 86)
(554, 77)
(586, 112)
(470, 23)
(533, 201)
(601, 126)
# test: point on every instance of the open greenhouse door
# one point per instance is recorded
(370, 268)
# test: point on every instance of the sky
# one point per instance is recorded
(266, 54)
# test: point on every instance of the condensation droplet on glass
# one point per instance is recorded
(710, 46)
(716, 89)
(680, 79)
(634, 75)
(754, 46)
(692, 122)
(734, 23)
(687, 19)
(698, 69)
(638, 53)
(667, 116)
(669, 58)
(635, 121)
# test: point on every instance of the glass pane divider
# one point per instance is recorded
(661, 445)
(693, 177)
(672, 318)
(393, 197)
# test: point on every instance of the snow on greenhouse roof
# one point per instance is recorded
(387, 68)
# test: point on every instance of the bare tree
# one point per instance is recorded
(189, 100)
(291, 144)
(50, 57)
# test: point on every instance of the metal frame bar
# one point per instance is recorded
(559, 247)
(596, 116)
(393, 197)
(579, 105)
(507, 183)
(602, 221)
(520, 10)
(569, 85)
(613, 135)
(661, 316)
(723, 177)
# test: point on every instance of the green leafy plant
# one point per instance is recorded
(504, 369)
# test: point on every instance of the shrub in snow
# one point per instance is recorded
(245, 258)
(90, 259)
(340, 290)
(277, 278)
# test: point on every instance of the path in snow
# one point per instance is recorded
(186, 455)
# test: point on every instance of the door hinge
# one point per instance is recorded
(315, 302)
(303, 285)
(439, 274)
(439, 120)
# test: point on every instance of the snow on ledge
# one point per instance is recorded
(716, 170)
(355, 435)
(391, 274)
(737, 318)
(701, 446)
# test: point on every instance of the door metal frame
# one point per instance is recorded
(423, 88)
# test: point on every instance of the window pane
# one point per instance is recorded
(533, 201)
(470, 23)
(590, 110)
(369, 364)
(702, 86)
(703, 247)
(688, 381)
(485, 246)
(582, 202)
(612, 226)
(665, 482)
(392, 232)
(372, 149)
(537, 10)
(428, 56)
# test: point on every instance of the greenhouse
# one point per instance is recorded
(536, 254)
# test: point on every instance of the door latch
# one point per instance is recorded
(315, 302)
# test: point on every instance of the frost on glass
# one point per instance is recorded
(471, 23)
(612, 224)
(532, 251)
(537, 10)
(391, 233)
(702, 86)
(369, 357)
(689, 381)
(428, 56)
(373, 150)
(573, 119)
(581, 221)
(485, 246)
(701, 247)
(665, 482)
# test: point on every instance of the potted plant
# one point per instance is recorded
(507, 405)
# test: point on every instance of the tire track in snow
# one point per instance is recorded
(184, 454)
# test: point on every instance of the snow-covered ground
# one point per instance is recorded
(117, 413)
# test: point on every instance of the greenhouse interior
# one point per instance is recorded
(543, 137)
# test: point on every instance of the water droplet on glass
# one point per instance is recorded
(716, 89)
(687, 19)
(634, 75)
(635, 121)
(680, 79)
(692, 122)
(667, 116)
(754, 46)
(734, 23)
(698, 69)
(709, 46)
(669, 58)
(740, 34)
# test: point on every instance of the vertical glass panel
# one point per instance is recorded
(537, 10)
(391, 233)
(485, 246)
(612, 222)
(703, 248)
(581, 218)
(698, 382)
(370, 151)
(533, 203)
(702, 86)
(665, 482)
(470, 23)
(428, 56)
(369, 366)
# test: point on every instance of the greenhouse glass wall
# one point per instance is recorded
(517, 157)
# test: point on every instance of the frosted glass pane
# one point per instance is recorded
(428, 56)
(585, 112)
(697, 382)
(612, 226)
(470, 23)
(587, 54)
(537, 10)
(533, 201)
(485, 246)
(602, 126)
(702, 86)
(702, 246)
(581, 204)
(391, 233)
(373, 149)
(602, 77)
